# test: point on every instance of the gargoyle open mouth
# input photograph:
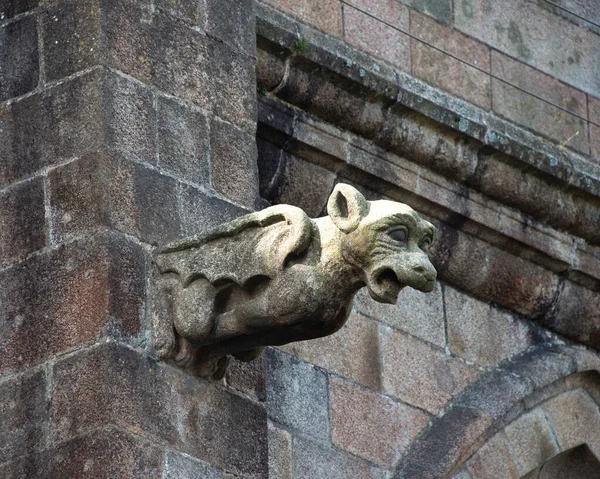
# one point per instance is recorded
(384, 285)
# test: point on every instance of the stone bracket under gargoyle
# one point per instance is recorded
(277, 276)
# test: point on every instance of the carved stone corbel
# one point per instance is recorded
(277, 276)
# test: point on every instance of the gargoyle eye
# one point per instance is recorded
(398, 233)
(425, 244)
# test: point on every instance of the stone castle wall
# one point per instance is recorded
(128, 124)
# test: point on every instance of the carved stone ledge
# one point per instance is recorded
(277, 276)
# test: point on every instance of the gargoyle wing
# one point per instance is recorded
(256, 244)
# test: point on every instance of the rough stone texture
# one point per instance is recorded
(575, 419)
(352, 352)
(249, 378)
(449, 441)
(326, 15)
(72, 35)
(106, 453)
(234, 150)
(78, 198)
(494, 460)
(183, 141)
(10, 8)
(441, 10)
(479, 332)
(419, 314)
(22, 220)
(68, 296)
(280, 453)
(531, 440)
(450, 41)
(421, 375)
(297, 394)
(535, 36)
(377, 38)
(40, 130)
(184, 62)
(95, 387)
(193, 12)
(200, 212)
(129, 118)
(539, 84)
(572, 464)
(18, 57)
(312, 460)
(178, 466)
(445, 72)
(526, 110)
(24, 410)
(576, 314)
(143, 202)
(503, 278)
(232, 21)
(372, 426)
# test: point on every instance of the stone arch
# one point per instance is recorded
(517, 387)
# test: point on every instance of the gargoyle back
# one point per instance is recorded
(257, 244)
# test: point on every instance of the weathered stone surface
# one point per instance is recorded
(107, 453)
(377, 38)
(72, 35)
(372, 426)
(575, 420)
(531, 439)
(62, 122)
(537, 83)
(183, 141)
(22, 220)
(297, 394)
(10, 8)
(178, 466)
(421, 375)
(503, 278)
(495, 393)
(572, 464)
(19, 57)
(143, 202)
(129, 118)
(181, 61)
(419, 314)
(232, 21)
(494, 460)
(249, 377)
(445, 72)
(193, 12)
(535, 36)
(312, 460)
(441, 10)
(233, 150)
(201, 212)
(325, 15)
(24, 410)
(288, 278)
(280, 453)
(576, 314)
(526, 110)
(110, 384)
(479, 332)
(352, 352)
(78, 197)
(449, 441)
(450, 40)
(60, 299)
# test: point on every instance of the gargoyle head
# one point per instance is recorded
(387, 241)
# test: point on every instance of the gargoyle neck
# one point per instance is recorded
(332, 257)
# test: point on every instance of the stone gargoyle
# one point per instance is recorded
(277, 276)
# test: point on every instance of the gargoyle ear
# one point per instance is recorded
(346, 207)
